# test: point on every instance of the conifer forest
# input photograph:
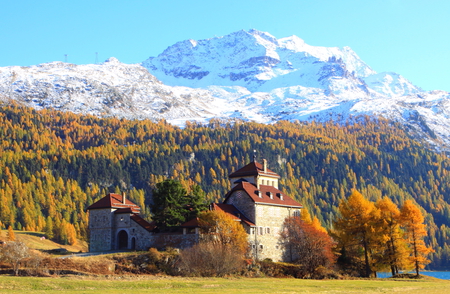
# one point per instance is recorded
(54, 164)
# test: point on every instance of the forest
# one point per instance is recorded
(55, 164)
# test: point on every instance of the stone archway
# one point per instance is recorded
(122, 240)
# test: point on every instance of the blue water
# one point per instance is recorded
(439, 275)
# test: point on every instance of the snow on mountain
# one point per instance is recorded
(108, 89)
(248, 75)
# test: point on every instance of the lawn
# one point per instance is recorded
(155, 284)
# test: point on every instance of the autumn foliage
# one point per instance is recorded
(221, 250)
(379, 235)
(55, 164)
(308, 245)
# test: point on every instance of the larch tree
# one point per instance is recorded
(10, 234)
(395, 254)
(356, 229)
(412, 220)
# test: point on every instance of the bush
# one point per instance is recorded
(209, 259)
(14, 253)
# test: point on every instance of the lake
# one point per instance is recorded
(440, 275)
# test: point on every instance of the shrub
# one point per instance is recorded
(209, 259)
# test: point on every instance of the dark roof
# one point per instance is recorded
(115, 201)
(264, 190)
(193, 223)
(229, 209)
(232, 211)
(143, 223)
(253, 169)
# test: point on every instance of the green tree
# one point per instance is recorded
(48, 230)
(196, 202)
(170, 202)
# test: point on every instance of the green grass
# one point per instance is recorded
(152, 284)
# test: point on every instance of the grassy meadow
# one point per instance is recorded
(158, 284)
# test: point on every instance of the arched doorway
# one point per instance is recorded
(123, 239)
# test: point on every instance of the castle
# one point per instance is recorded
(254, 200)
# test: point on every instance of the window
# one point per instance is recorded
(267, 230)
(261, 247)
(261, 230)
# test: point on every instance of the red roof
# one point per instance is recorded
(143, 223)
(115, 201)
(253, 169)
(278, 197)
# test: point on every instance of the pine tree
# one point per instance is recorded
(169, 206)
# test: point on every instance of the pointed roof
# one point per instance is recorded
(113, 200)
(229, 209)
(232, 211)
(262, 196)
(253, 169)
(143, 223)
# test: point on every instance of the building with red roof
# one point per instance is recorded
(254, 200)
(256, 196)
(115, 224)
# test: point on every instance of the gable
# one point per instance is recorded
(116, 201)
(268, 195)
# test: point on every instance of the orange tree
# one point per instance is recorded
(307, 244)
(412, 220)
(356, 229)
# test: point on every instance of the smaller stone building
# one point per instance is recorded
(115, 224)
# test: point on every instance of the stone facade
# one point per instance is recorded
(255, 194)
(254, 200)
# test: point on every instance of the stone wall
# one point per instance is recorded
(265, 238)
(242, 201)
(100, 230)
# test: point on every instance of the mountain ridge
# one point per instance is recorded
(248, 75)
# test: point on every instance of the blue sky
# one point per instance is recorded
(410, 37)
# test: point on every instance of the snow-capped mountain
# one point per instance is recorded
(247, 75)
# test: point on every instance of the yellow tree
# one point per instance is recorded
(412, 220)
(395, 254)
(10, 234)
(223, 229)
(356, 228)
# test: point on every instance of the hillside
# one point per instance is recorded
(55, 164)
(37, 241)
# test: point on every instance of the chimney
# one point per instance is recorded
(265, 165)
(123, 198)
